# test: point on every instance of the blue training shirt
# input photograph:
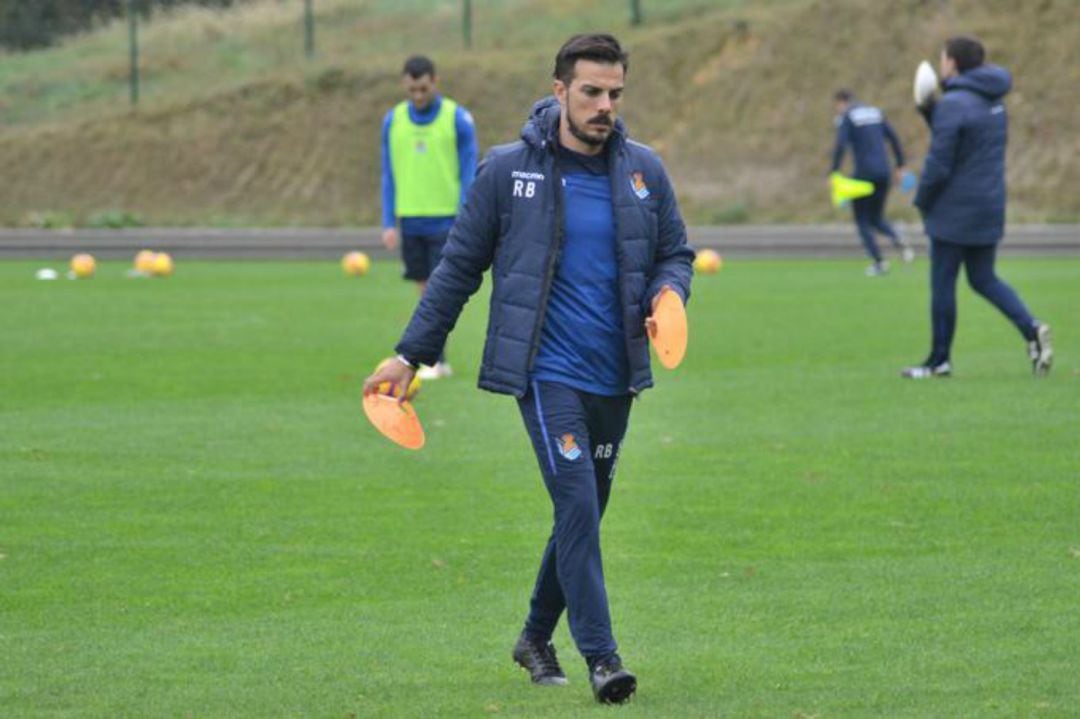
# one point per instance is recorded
(467, 152)
(582, 344)
(866, 130)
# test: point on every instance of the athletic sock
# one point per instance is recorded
(593, 661)
(536, 637)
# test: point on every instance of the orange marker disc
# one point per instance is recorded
(396, 420)
(669, 339)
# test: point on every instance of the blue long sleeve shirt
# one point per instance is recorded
(866, 130)
(467, 153)
(581, 344)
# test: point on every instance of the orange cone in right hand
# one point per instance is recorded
(671, 333)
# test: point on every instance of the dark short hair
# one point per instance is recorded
(417, 66)
(599, 47)
(966, 51)
(843, 95)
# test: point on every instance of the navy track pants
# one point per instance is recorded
(869, 213)
(945, 261)
(577, 437)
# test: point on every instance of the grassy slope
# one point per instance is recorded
(196, 519)
(236, 129)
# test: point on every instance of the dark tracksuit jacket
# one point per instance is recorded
(962, 188)
(512, 222)
(866, 130)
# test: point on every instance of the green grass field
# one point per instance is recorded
(195, 519)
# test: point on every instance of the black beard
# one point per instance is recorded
(580, 134)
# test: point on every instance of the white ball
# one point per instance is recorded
(926, 84)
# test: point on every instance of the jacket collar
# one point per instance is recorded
(990, 81)
(541, 129)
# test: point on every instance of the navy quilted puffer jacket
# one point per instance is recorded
(512, 222)
(962, 189)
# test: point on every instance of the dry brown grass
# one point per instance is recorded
(738, 102)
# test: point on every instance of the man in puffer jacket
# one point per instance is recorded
(962, 199)
(581, 229)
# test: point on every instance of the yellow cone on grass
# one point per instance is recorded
(144, 261)
(162, 266)
(708, 262)
(355, 264)
(83, 265)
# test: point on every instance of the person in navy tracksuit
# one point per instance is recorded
(580, 227)
(865, 130)
(962, 199)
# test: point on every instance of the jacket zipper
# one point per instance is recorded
(550, 274)
(619, 261)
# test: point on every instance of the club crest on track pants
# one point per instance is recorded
(577, 437)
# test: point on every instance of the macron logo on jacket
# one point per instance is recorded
(525, 183)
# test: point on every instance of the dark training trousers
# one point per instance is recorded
(577, 437)
(945, 261)
(421, 254)
(869, 215)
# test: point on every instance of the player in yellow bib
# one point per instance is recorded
(428, 163)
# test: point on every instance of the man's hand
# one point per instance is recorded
(390, 238)
(650, 323)
(392, 378)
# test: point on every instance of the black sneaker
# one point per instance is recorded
(927, 371)
(611, 682)
(1041, 351)
(540, 661)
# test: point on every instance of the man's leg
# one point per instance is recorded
(421, 254)
(414, 257)
(571, 572)
(945, 259)
(611, 681)
(877, 212)
(979, 263)
(606, 419)
(433, 247)
(547, 602)
(862, 210)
